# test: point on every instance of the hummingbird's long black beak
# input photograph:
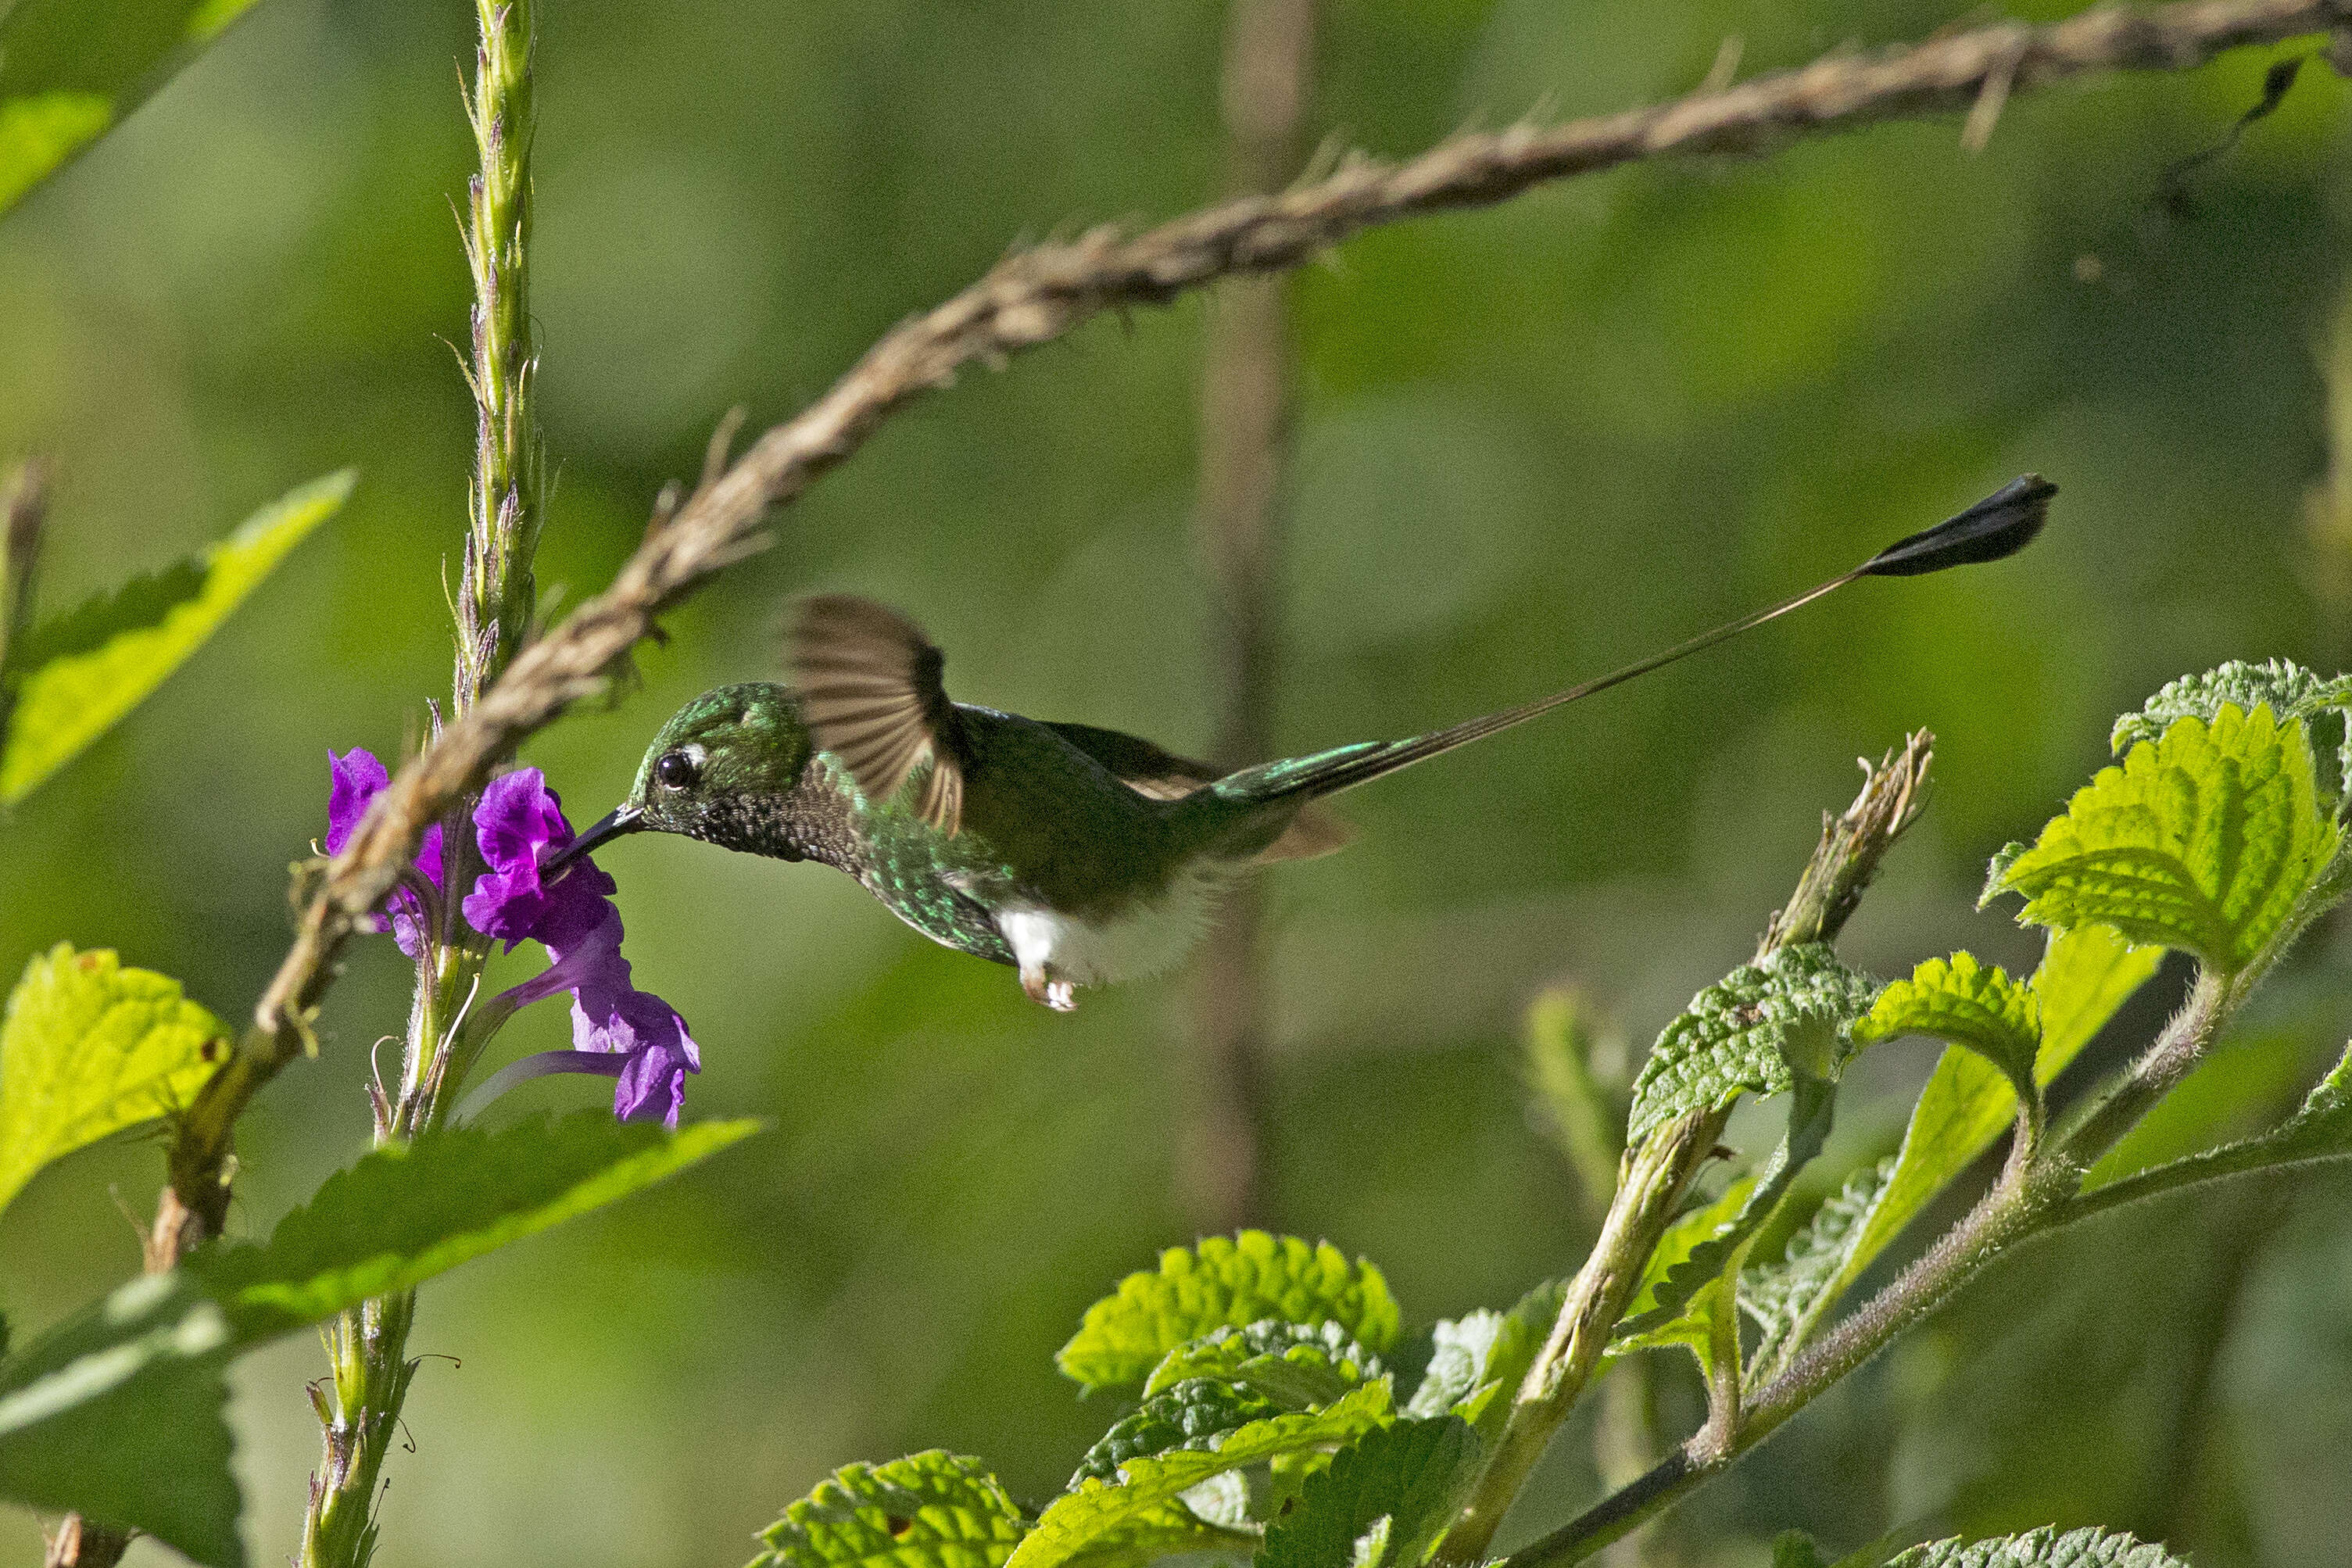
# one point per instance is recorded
(622, 820)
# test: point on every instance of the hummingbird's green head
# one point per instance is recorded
(717, 771)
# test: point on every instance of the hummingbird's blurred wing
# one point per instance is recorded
(868, 682)
(1157, 774)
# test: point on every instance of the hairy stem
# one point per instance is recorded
(368, 1347)
(1244, 418)
(1659, 1169)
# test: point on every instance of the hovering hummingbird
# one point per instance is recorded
(1079, 856)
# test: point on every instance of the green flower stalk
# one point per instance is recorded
(496, 592)
(368, 1349)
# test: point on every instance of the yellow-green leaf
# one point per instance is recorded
(68, 702)
(40, 131)
(933, 1509)
(1961, 1001)
(1226, 1282)
(2203, 840)
(72, 70)
(89, 1048)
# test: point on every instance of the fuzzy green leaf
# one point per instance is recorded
(1716, 1257)
(407, 1212)
(71, 69)
(118, 1413)
(1095, 1511)
(1300, 1365)
(2288, 690)
(2204, 840)
(1226, 1282)
(2043, 1548)
(933, 1509)
(69, 702)
(2086, 975)
(1478, 1360)
(1961, 1001)
(1788, 1297)
(89, 1048)
(1753, 1031)
(1382, 1503)
(1194, 1414)
(1795, 1549)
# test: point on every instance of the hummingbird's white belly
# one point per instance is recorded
(1146, 938)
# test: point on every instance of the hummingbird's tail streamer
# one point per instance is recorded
(1995, 528)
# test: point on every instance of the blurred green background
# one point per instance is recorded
(1532, 443)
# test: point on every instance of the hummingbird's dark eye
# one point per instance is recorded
(676, 769)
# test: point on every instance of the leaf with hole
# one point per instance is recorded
(2205, 840)
(1226, 1282)
(77, 694)
(933, 1509)
(89, 1048)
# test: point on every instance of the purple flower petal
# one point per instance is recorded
(354, 779)
(653, 1084)
(587, 961)
(519, 823)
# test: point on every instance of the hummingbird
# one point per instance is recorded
(1077, 856)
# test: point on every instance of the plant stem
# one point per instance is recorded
(1659, 1170)
(368, 1348)
(23, 508)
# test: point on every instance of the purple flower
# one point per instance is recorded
(354, 779)
(618, 1031)
(519, 823)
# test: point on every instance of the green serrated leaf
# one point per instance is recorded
(1961, 1001)
(68, 702)
(1476, 1361)
(2086, 975)
(71, 69)
(2284, 686)
(81, 1408)
(1094, 1510)
(1676, 1315)
(1382, 1503)
(407, 1212)
(933, 1509)
(1226, 1282)
(2204, 840)
(118, 1413)
(1167, 1532)
(2043, 1548)
(133, 604)
(1303, 1365)
(1195, 1414)
(89, 1048)
(1787, 1299)
(1755, 1031)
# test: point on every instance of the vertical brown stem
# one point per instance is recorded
(1245, 412)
